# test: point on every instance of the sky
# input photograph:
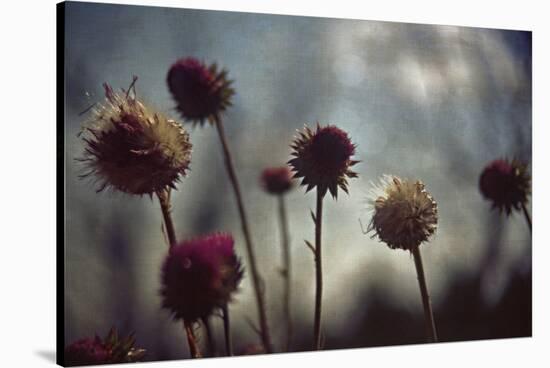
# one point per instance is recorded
(428, 102)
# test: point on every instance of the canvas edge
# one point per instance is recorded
(60, 183)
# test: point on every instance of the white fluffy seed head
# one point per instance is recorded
(404, 213)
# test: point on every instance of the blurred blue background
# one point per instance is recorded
(430, 102)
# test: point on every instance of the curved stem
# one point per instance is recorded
(286, 270)
(428, 313)
(527, 216)
(227, 332)
(164, 199)
(318, 271)
(192, 340)
(256, 279)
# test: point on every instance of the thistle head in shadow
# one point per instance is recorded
(276, 180)
(202, 92)
(506, 183)
(323, 159)
(200, 275)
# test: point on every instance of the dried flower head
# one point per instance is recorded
(111, 350)
(276, 180)
(506, 183)
(202, 92)
(323, 159)
(200, 275)
(133, 149)
(404, 213)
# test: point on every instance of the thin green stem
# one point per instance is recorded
(227, 331)
(286, 272)
(527, 216)
(428, 313)
(256, 279)
(164, 199)
(318, 271)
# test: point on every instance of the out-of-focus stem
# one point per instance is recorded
(164, 199)
(318, 271)
(210, 337)
(286, 270)
(428, 313)
(256, 279)
(192, 341)
(227, 332)
(527, 216)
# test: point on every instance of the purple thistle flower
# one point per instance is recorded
(200, 275)
(201, 92)
(95, 351)
(87, 351)
(506, 183)
(276, 180)
(323, 159)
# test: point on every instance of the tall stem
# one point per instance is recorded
(256, 279)
(164, 199)
(527, 216)
(318, 271)
(428, 313)
(191, 340)
(286, 270)
(209, 336)
(227, 332)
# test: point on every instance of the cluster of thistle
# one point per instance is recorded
(134, 149)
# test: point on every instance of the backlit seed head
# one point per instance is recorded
(404, 213)
(132, 148)
(323, 158)
(507, 184)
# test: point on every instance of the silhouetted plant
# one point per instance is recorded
(322, 158)
(199, 276)
(507, 184)
(131, 148)
(405, 216)
(202, 94)
(277, 181)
